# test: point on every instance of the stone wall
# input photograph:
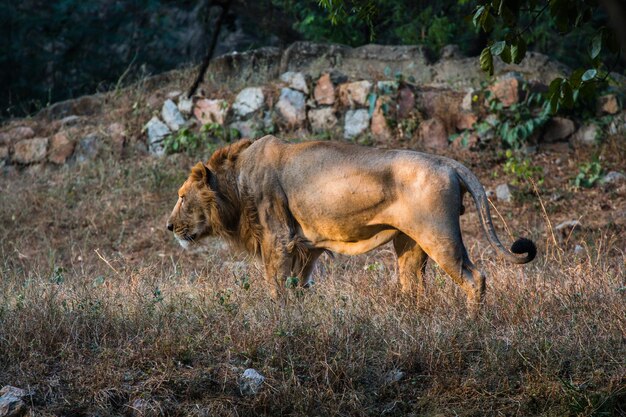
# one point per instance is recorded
(371, 94)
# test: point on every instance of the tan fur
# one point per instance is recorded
(288, 203)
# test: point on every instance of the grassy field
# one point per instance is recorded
(99, 307)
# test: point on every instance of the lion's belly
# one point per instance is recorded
(346, 243)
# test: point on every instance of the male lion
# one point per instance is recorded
(289, 203)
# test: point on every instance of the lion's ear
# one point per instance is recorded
(209, 178)
(201, 172)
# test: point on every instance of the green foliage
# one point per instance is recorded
(517, 123)
(185, 140)
(509, 23)
(522, 169)
(588, 174)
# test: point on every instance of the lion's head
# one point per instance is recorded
(196, 213)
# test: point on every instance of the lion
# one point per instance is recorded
(288, 203)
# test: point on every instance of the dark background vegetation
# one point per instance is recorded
(54, 50)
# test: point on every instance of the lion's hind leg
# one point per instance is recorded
(411, 263)
(451, 256)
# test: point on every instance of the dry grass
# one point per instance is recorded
(89, 332)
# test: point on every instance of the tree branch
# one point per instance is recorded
(207, 59)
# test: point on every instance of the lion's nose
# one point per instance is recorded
(170, 227)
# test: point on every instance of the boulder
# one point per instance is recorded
(558, 129)
(87, 148)
(379, 127)
(406, 101)
(587, 135)
(466, 121)
(291, 107)
(432, 134)
(295, 81)
(324, 92)
(608, 104)
(16, 134)
(248, 101)
(211, 111)
(172, 116)
(508, 88)
(61, 148)
(28, 151)
(250, 382)
(355, 123)
(117, 133)
(354, 94)
(322, 119)
(157, 131)
(185, 105)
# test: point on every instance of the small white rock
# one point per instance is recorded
(614, 177)
(250, 382)
(296, 81)
(248, 101)
(356, 122)
(578, 250)
(171, 116)
(157, 131)
(503, 193)
(185, 105)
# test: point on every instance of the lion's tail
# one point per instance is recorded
(523, 250)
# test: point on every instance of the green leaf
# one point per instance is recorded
(596, 45)
(478, 16)
(576, 78)
(518, 50)
(486, 61)
(589, 74)
(498, 47)
(506, 54)
(555, 87)
(567, 95)
(488, 22)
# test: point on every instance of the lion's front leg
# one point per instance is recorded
(277, 261)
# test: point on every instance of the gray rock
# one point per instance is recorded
(11, 402)
(248, 101)
(557, 129)
(157, 131)
(295, 80)
(614, 177)
(322, 119)
(291, 107)
(250, 382)
(145, 408)
(87, 148)
(172, 116)
(586, 136)
(503, 193)
(578, 250)
(356, 122)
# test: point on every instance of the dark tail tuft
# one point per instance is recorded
(523, 245)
